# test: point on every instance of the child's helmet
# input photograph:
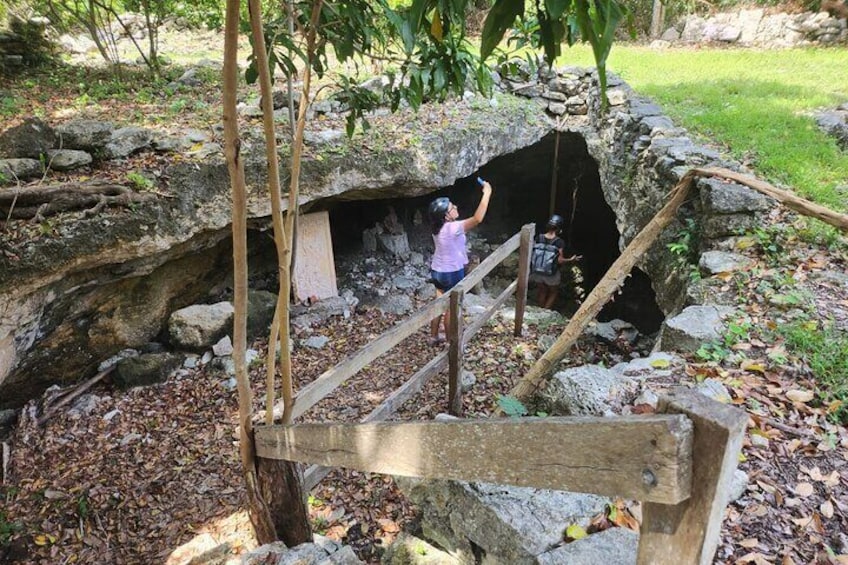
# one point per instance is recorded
(556, 223)
(438, 208)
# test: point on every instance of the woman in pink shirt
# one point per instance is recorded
(450, 257)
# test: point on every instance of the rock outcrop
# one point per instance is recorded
(96, 284)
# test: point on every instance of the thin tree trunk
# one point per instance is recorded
(259, 513)
(786, 198)
(293, 210)
(280, 241)
(280, 482)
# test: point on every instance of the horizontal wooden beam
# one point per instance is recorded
(640, 457)
(326, 383)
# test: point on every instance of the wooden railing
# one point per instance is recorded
(679, 462)
(458, 337)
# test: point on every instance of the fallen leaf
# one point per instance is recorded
(40, 539)
(753, 366)
(799, 395)
(660, 363)
(827, 509)
(753, 557)
(389, 526)
(804, 489)
(749, 543)
(575, 532)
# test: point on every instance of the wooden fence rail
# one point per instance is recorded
(679, 462)
(327, 382)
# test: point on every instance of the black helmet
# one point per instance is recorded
(438, 208)
(556, 222)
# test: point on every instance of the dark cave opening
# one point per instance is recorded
(522, 193)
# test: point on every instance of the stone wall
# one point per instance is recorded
(757, 28)
(641, 155)
(24, 44)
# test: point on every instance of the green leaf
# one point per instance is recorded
(660, 364)
(499, 19)
(556, 8)
(575, 532)
(511, 406)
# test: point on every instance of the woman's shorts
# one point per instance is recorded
(446, 281)
(549, 280)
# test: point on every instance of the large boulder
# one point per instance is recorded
(497, 523)
(589, 390)
(31, 139)
(85, 135)
(126, 141)
(200, 326)
(693, 327)
(146, 369)
(13, 170)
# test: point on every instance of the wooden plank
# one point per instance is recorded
(688, 532)
(524, 250)
(312, 393)
(389, 406)
(640, 457)
(455, 353)
(479, 321)
(489, 263)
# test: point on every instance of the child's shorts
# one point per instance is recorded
(446, 281)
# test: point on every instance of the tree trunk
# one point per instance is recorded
(280, 482)
(657, 19)
(259, 513)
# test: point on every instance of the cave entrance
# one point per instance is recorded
(526, 189)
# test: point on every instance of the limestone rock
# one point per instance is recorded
(199, 326)
(30, 139)
(658, 364)
(12, 170)
(533, 315)
(146, 369)
(693, 327)
(125, 141)
(303, 554)
(410, 550)
(613, 545)
(714, 262)
(67, 159)
(85, 135)
(506, 524)
(719, 197)
(589, 390)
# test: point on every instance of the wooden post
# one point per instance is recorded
(524, 250)
(657, 18)
(688, 532)
(455, 353)
(554, 171)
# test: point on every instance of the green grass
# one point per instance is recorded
(757, 105)
(826, 352)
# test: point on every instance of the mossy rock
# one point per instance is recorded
(147, 369)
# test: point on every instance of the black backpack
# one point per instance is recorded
(544, 259)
